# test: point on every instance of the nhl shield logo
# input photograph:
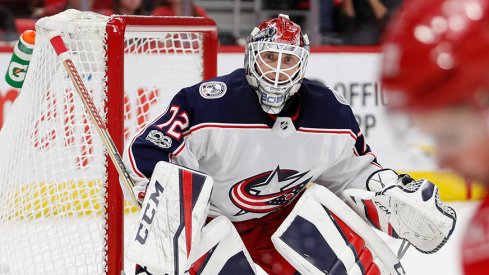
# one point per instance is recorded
(212, 89)
(284, 125)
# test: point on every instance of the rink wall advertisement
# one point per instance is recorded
(353, 74)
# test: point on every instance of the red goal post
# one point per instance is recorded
(116, 28)
(61, 206)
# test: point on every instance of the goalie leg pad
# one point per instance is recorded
(172, 215)
(221, 251)
(322, 235)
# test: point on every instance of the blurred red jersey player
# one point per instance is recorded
(436, 70)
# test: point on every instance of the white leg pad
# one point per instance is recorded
(172, 215)
(322, 235)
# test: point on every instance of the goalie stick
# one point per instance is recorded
(62, 51)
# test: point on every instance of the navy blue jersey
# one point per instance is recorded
(259, 162)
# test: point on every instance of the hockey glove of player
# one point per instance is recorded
(404, 208)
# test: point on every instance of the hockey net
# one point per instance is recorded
(61, 208)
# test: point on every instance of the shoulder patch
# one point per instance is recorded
(341, 99)
(159, 139)
(212, 89)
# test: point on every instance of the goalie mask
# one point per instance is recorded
(275, 61)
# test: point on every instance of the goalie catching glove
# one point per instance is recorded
(404, 208)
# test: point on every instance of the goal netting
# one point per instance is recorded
(61, 207)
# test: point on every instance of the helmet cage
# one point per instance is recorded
(276, 83)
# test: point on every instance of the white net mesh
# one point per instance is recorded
(175, 58)
(52, 161)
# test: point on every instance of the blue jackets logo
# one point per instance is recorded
(212, 89)
(268, 191)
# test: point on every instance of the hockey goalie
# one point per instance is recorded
(254, 167)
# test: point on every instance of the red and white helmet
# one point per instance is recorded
(284, 37)
(436, 53)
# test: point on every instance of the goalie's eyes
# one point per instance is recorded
(288, 60)
(269, 57)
